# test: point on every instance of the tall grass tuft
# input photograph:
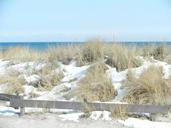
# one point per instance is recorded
(15, 85)
(50, 76)
(121, 57)
(22, 54)
(158, 52)
(14, 82)
(63, 54)
(92, 50)
(95, 86)
(150, 87)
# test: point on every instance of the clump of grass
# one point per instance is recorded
(158, 52)
(92, 50)
(121, 57)
(21, 54)
(101, 66)
(119, 113)
(150, 87)
(13, 81)
(48, 68)
(15, 85)
(49, 77)
(62, 54)
(48, 82)
(95, 86)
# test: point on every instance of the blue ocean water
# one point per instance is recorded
(36, 45)
(46, 45)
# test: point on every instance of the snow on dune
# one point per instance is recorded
(72, 75)
(3, 65)
(32, 78)
(73, 72)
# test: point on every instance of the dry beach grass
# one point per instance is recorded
(92, 51)
(150, 87)
(21, 54)
(115, 54)
(13, 81)
(50, 76)
(95, 86)
(121, 57)
(158, 52)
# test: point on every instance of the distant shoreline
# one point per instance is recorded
(45, 45)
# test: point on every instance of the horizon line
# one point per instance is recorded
(150, 41)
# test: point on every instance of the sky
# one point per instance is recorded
(80, 20)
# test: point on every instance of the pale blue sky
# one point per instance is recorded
(78, 20)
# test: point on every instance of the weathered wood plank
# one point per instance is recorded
(22, 109)
(93, 106)
(7, 97)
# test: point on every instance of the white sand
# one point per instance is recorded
(53, 121)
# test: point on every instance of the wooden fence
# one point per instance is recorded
(19, 102)
(7, 97)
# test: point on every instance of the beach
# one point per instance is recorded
(101, 73)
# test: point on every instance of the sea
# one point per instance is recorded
(46, 45)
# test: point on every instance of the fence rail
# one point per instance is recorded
(19, 102)
(7, 97)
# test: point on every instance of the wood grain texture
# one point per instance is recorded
(19, 102)
(93, 106)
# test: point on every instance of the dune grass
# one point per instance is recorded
(157, 52)
(63, 54)
(15, 85)
(150, 87)
(117, 55)
(50, 76)
(49, 81)
(121, 57)
(21, 54)
(113, 54)
(92, 50)
(14, 82)
(95, 86)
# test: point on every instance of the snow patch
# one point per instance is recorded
(102, 115)
(8, 111)
(71, 116)
(32, 79)
(138, 123)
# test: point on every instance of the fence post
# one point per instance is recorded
(22, 109)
